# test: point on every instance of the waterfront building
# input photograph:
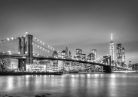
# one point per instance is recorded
(35, 68)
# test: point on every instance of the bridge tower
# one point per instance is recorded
(107, 68)
(25, 49)
(29, 49)
(21, 49)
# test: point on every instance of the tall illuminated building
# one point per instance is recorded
(112, 48)
(119, 52)
(123, 55)
(94, 52)
(120, 55)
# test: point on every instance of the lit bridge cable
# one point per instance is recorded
(43, 44)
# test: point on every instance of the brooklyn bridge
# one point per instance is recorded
(27, 56)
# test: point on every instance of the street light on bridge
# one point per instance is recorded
(9, 52)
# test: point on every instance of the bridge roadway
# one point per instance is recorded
(18, 56)
(80, 61)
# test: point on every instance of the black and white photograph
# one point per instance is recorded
(68, 48)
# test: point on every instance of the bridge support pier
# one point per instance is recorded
(107, 69)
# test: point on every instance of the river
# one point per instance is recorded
(73, 85)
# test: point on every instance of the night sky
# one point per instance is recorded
(74, 23)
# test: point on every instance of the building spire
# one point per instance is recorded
(111, 37)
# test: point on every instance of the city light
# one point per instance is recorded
(12, 38)
(18, 52)
(9, 52)
(26, 33)
(7, 39)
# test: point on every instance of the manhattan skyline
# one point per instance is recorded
(76, 24)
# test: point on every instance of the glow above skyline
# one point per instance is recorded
(111, 36)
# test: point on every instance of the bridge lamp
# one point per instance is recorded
(53, 49)
(35, 38)
(9, 52)
(18, 52)
(41, 48)
(39, 41)
(23, 57)
(7, 39)
(26, 52)
(43, 43)
(26, 33)
(12, 38)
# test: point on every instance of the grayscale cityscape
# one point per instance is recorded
(68, 48)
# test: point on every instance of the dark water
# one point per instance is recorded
(74, 85)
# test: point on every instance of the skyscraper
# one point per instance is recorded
(120, 55)
(123, 55)
(119, 52)
(94, 54)
(112, 48)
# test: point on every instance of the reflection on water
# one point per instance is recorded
(74, 85)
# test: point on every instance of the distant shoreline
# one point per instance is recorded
(31, 73)
(6, 94)
(56, 73)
